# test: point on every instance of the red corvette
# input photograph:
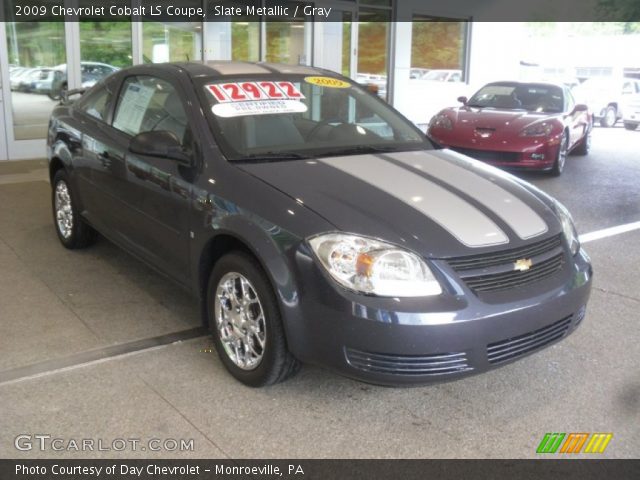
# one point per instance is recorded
(529, 126)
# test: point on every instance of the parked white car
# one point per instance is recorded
(607, 97)
(442, 75)
(631, 117)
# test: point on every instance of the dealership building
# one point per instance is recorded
(167, 206)
(361, 39)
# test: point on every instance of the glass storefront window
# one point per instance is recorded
(438, 49)
(171, 41)
(373, 49)
(245, 41)
(105, 48)
(286, 41)
(37, 59)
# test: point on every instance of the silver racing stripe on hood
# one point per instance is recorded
(512, 210)
(460, 218)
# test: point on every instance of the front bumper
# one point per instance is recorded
(410, 341)
(527, 153)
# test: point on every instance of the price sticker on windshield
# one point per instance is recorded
(248, 91)
(328, 82)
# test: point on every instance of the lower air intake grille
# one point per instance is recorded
(515, 347)
(438, 364)
(489, 155)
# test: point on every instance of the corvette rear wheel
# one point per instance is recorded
(584, 146)
(245, 321)
(561, 159)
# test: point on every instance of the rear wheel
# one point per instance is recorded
(561, 158)
(610, 117)
(630, 126)
(72, 231)
(245, 320)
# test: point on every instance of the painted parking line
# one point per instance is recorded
(609, 232)
(100, 355)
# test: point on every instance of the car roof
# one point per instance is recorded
(224, 68)
(515, 83)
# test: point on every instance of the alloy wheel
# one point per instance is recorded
(562, 154)
(64, 210)
(240, 321)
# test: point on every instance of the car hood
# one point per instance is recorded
(438, 203)
(469, 120)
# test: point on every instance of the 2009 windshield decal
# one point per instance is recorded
(247, 91)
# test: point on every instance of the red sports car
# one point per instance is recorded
(529, 126)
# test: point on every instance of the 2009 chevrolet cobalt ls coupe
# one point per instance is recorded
(315, 223)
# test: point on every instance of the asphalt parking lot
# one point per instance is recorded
(56, 305)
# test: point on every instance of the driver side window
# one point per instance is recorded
(149, 104)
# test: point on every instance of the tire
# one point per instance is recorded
(584, 146)
(610, 117)
(561, 158)
(630, 126)
(72, 231)
(232, 314)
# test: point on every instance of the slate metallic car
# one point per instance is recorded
(315, 223)
(532, 126)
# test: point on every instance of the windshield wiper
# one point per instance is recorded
(272, 157)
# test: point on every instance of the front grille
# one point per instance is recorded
(437, 364)
(489, 155)
(516, 347)
(496, 271)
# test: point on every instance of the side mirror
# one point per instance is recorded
(580, 107)
(160, 143)
(463, 100)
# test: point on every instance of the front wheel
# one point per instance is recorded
(561, 158)
(630, 126)
(72, 231)
(245, 321)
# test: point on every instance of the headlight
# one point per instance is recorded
(542, 129)
(568, 228)
(441, 121)
(374, 267)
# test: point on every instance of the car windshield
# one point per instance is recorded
(292, 117)
(526, 96)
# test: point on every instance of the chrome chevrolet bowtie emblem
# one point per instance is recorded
(523, 264)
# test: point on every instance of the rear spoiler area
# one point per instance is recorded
(67, 96)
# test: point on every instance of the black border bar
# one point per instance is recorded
(627, 11)
(324, 469)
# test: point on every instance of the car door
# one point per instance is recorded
(96, 161)
(155, 191)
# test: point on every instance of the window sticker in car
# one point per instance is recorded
(243, 91)
(133, 107)
(256, 98)
(258, 107)
(327, 82)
